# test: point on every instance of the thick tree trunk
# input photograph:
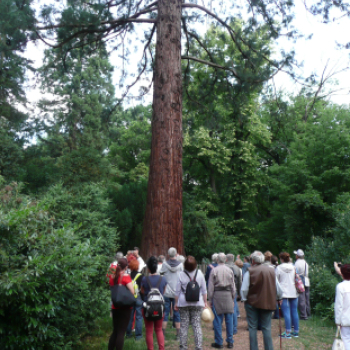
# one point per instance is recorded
(162, 226)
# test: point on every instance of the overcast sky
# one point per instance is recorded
(315, 53)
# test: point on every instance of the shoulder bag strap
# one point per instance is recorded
(306, 274)
(195, 276)
(188, 275)
(159, 282)
(137, 276)
(149, 282)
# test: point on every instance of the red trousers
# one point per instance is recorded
(149, 333)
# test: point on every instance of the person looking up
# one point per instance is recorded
(139, 259)
(171, 269)
(161, 259)
(213, 264)
(246, 265)
(286, 277)
(121, 315)
(230, 258)
(304, 298)
(342, 305)
(221, 296)
(190, 311)
(137, 308)
(260, 290)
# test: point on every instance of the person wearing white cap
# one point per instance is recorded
(304, 298)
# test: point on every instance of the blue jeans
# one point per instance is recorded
(277, 312)
(290, 314)
(168, 302)
(235, 314)
(138, 320)
(253, 314)
(217, 323)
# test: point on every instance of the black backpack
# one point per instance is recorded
(192, 289)
(154, 306)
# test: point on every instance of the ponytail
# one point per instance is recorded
(122, 264)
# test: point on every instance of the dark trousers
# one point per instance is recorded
(253, 315)
(121, 319)
(304, 304)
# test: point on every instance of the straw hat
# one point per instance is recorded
(207, 315)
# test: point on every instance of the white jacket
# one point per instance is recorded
(285, 274)
(342, 304)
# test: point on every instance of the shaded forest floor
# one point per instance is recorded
(314, 334)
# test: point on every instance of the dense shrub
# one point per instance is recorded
(322, 291)
(87, 206)
(51, 279)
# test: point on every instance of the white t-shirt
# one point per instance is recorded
(141, 263)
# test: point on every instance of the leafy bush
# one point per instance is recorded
(51, 280)
(322, 291)
(87, 207)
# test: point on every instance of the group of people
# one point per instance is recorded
(266, 287)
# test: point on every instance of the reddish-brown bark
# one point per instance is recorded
(163, 217)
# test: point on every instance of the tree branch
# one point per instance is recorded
(208, 63)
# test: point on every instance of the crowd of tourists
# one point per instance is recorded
(176, 290)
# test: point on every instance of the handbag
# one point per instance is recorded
(299, 285)
(121, 296)
(338, 343)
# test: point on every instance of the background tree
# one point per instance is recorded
(15, 20)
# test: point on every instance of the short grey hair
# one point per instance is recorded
(161, 258)
(221, 258)
(172, 252)
(181, 258)
(230, 258)
(119, 255)
(214, 257)
(258, 257)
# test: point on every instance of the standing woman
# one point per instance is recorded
(152, 265)
(342, 305)
(190, 311)
(285, 274)
(121, 315)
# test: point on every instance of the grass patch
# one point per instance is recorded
(314, 333)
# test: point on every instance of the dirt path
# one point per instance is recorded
(241, 339)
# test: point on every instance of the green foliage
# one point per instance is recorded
(87, 207)
(322, 291)
(312, 173)
(15, 20)
(127, 208)
(49, 277)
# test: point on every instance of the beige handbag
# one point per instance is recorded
(338, 342)
(207, 315)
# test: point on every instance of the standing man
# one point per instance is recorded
(304, 298)
(260, 290)
(246, 265)
(213, 264)
(161, 259)
(221, 294)
(230, 262)
(139, 259)
(171, 269)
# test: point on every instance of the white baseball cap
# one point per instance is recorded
(299, 252)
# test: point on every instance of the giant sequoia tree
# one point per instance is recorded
(90, 22)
